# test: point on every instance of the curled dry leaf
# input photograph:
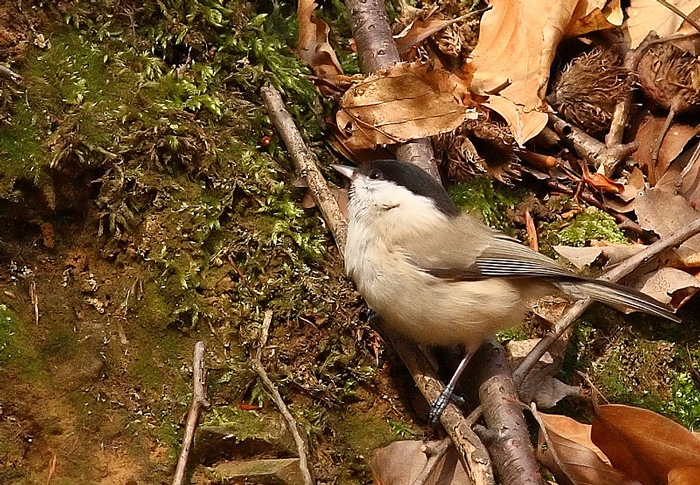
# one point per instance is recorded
(540, 386)
(613, 252)
(643, 444)
(402, 462)
(671, 286)
(579, 460)
(406, 102)
(645, 16)
(683, 176)
(684, 475)
(595, 15)
(675, 140)
(512, 59)
(314, 48)
(663, 213)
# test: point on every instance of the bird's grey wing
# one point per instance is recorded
(472, 251)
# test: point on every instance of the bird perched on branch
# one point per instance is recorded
(440, 276)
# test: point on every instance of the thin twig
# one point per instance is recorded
(292, 425)
(588, 148)
(305, 163)
(434, 456)
(614, 275)
(199, 400)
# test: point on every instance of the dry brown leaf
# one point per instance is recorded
(675, 140)
(683, 177)
(540, 386)
(314, 48)
(517, 42)
(402, 461)
(419, 30)
(684, 475)
(581, 460)
(612, 252)
(595, 15)
(643, 444)
(663, 213)
(668, 285)
(407, 102)
(647, 15)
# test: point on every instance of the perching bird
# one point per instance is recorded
(440, 276)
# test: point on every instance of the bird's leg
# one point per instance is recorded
(440, 402)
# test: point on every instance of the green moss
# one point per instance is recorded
(685, 402)
(592, 224)
(18, 349)
(637, 372)
(491, 203)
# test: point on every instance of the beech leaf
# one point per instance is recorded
(579, 459)
(512, 59)
(406, 102)
(643, 444)
(402, 461)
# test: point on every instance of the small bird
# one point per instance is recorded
(440, 276)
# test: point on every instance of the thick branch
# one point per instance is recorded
(509, 436)
(377, 51)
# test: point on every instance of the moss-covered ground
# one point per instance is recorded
(146, 203)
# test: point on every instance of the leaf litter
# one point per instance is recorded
(504, 77)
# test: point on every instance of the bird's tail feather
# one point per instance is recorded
(617, 296)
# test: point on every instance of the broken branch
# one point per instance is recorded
(292, 425)
(199, 400)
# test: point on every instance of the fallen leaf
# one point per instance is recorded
(671, 286)
(578, 458)
(684, 475)
(612, 252)
(419, 30)
(406, 102)
(596, 15)
(314, 48)
(540, 386)
(675, 140)
(643, 16)
(643, 444)
(512, 59)
(402, 461)
(683, 176)
(664, 213)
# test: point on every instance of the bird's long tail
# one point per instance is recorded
(617, 296)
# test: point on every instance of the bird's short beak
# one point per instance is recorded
(345, 171)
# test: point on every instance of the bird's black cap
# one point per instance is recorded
(414, 179)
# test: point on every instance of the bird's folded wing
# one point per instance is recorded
(472, 251)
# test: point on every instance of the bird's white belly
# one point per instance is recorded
(430, 310)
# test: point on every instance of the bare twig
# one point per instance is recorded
(305, 163)
(614, 275)
(434, 455)
(35, 300)
(199, 400)
(590, 149)
(292, 425)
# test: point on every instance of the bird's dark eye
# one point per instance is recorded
(375, 174)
